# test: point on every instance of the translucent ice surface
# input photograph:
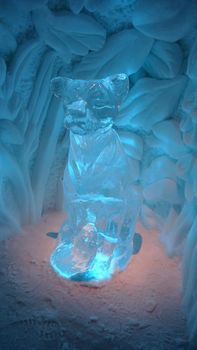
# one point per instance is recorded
(102, 203)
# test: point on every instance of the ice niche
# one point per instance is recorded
(101, 202)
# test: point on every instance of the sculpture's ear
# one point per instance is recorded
(58, 86)
(120, 87)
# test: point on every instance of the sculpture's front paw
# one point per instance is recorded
(66, 263)
(83, 264)
(86, 256)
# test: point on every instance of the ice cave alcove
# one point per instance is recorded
(152, 304)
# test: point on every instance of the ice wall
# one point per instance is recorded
(155, 43)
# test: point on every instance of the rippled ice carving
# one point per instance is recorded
(102, 204)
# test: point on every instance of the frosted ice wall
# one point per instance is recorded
(155, 43)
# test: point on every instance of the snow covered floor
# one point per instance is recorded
(139, 309)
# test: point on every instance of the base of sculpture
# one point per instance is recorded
(99, 268)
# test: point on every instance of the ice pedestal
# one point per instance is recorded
(102, 204)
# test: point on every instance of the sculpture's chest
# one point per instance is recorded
(97, 162)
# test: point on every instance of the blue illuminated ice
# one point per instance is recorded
(101, 202)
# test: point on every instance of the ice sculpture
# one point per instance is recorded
(102, 204)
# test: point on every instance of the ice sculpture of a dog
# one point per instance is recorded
(101, 202)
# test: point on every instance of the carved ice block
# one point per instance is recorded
(101, 203)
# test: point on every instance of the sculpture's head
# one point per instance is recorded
(90, 105)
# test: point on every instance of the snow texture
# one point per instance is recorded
(156, 46)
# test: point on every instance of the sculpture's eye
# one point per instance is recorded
(97, 96)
